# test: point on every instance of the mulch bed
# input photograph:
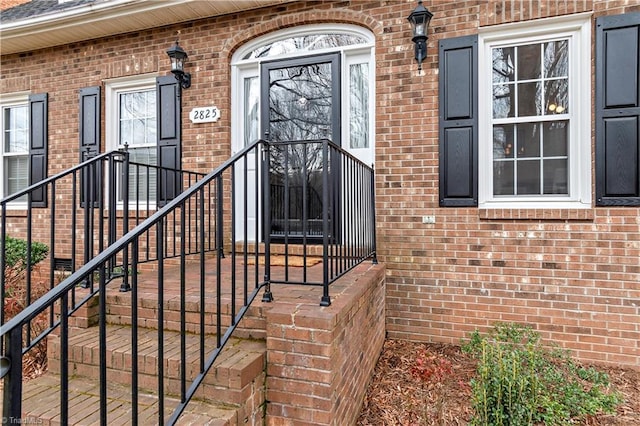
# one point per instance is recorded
(428, 384)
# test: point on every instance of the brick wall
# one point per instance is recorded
(320, 360)
(574, 275)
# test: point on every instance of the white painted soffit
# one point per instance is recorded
(111, 17)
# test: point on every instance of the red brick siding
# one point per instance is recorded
(320, 359)
(573, 274)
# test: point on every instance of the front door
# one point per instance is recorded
(300, 107)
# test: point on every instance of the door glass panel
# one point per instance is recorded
(304, 44)
(300, 103)
(359, 106)
(301, 111)
(251, 102)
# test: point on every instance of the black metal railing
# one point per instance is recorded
(230, 210)
(86, 208)
(319, 195)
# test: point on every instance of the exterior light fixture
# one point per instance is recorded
(420, 19)
(178, 56)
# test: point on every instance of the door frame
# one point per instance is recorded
(245, 66)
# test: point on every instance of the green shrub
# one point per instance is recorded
(521, 382)
(15, 251)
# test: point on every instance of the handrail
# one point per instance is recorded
(211, 205)
(44, 182)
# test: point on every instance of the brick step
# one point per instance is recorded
(252, 326)
(41, 405)
(236, 376)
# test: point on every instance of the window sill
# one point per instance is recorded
(16, 210)
(536, 214)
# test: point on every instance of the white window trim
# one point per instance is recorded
(244, 68)
(577, 28)
(10, 100)
(302, 30)
(113, 87)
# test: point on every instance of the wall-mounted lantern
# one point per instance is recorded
(178, 56)
(420, 19)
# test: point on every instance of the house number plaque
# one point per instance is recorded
(204, 114)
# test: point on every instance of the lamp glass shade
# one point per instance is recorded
(177, 56)
(420, 19)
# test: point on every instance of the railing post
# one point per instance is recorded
(3, 235)
(373, 215)
(88, 194)
(266, 214)
(12, 392)
(125, 286)
(326, 299)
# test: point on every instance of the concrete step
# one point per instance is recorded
(41, 405)
(236, 376)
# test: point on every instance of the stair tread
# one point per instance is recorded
(119, 336)
(238, 355)
(42, 398)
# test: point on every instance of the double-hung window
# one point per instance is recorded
(131, 124)
(534, 109)
(15, 145)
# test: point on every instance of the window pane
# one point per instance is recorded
(126, 109)
(503, 101)
(529, 99)
(126, 132)
(359, 106)
(152, 127)
(305, 43)
(142, 180)
(17, 174)
(528, 67)
(528, 177)
(556, 59)
(528, 140)
(556, 138)
(555, 177)
(503, 178)
(16, 129)
(503, 69)
(138, 118)
(138, 130)
(300, 102)
(143, 155)
(557, 94)
(503, 141)
(251, 99)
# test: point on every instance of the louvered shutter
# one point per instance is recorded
(90, 113)
(458, 121)
(618, 110)
(38, 138)
(169, 137)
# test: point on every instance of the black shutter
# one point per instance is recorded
(169, 136)
(618, 110)
(38, 137)
(458, 121)
(90, 139)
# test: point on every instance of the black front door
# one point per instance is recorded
(300, 107)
